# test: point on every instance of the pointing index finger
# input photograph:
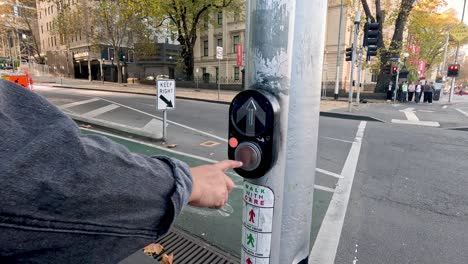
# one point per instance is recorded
(228, 164)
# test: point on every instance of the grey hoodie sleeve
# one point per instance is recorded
(65, 192)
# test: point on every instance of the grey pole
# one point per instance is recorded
(164, 124)
(338, 54)
(456, 57)
(359, 75)
(396, 82)
(219, 77)
(285, 49)
(353, 58)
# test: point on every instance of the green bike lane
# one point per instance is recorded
(220, 228)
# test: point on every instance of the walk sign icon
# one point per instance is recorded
(250, 240)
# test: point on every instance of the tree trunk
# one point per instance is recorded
(395, 46)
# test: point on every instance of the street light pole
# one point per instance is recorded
(456, 57)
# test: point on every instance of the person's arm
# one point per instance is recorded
(64, 194)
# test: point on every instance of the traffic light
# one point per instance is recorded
(394, 69)
(452, 70)
(371, 38)
(349, 54)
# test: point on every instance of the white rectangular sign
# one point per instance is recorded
(165, 94)
(219, 53)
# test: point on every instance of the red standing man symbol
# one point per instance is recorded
(252, 216)
(248, 261)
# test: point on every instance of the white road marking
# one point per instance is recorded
(153, 125)
(444, 106)
(100, 110)
(336, 175)
(328, 238)
(337, 139)
(169, 121)
(417, 123)
(410, 115)
(426, 111)
(323, 188)
(461, 111)
(78, 103)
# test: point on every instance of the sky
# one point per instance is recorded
(458, 6)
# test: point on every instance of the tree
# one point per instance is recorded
(185, 16)
(24, 22)
(430, 29)
(115, 23)
(395, 46)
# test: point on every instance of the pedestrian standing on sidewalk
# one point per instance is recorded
(426, 89)
(71, 198)
(430, 92)
(411, 89)
(389, 91)
(417, 96)
(404, 91)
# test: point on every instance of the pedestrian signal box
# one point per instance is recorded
(452, 70)
(253, 136)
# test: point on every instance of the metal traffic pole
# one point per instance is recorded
(338, 54)
(396, 82)
(357, 19)
(285, 49)
(359, 75)
(456, 57)
(164, 124)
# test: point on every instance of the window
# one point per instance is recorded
(374, 77)
(40, 14)
(52, 9)
(42, 29)
(48, 10)
(235, 41)
(236, 73)
(55, 40)
(205, 48)
(220, 17)
(219, 42)
(47, 25)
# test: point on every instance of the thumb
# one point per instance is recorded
(228, 164)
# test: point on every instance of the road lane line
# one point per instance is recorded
(78, 103)
(461, 111)
(169, 121)
(336, 175)
(100, 110)
(337, 139)
(323, 188)
(417, 123)
(328, 238)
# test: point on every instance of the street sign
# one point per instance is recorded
(165, 94)
(257, 223)
(460, 32)
(219, 53)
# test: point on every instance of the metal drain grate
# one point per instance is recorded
(186, 249)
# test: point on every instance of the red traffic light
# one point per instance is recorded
(394, 69)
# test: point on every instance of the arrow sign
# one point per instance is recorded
(164, 99)
(253, 112)
(252, 216)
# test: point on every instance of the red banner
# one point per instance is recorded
(239, 55)
(422, 68)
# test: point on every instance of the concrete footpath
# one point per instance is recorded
(336, 108)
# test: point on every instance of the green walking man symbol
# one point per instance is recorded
(250, 240)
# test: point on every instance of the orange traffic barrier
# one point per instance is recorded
(23, 79)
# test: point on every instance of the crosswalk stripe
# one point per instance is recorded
(78, 103)
(336, 175)
(323, 188)
(101, 110)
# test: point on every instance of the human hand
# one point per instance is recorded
(211, 186)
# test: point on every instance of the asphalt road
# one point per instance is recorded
(407, 199)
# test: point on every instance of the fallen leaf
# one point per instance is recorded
(167, 259)
(171, 145)
(153, 249)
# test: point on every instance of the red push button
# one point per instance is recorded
(233, 142)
